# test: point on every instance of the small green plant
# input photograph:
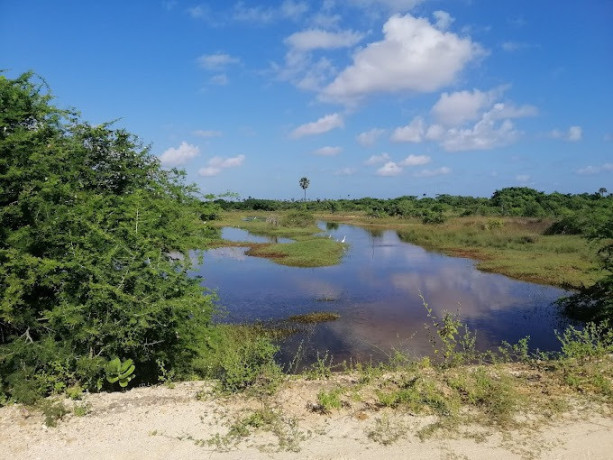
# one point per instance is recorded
(594, 340)
(81, 410)
(457, 347)
(321, 368)
(118, 372)
(52, 410)
(328, 400)
(385, 432)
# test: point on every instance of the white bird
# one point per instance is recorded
(343, 240)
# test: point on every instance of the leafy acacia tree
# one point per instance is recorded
(91, 236)
(304, 184)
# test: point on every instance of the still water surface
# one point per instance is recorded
(376, 290)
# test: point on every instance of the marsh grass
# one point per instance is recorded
(311, 252)
(516, 247)
(314, 317)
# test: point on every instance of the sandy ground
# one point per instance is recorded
(173, 423)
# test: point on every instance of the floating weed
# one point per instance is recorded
(315, 317)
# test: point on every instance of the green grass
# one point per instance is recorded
(313, 252)
(307, 250)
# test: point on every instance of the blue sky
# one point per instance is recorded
(377, 98)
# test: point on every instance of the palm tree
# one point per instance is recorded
(304, 183)
(602, 191)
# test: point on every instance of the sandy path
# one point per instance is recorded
(164, 423)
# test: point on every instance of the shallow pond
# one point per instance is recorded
(376, 290)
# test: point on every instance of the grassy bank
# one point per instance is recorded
(306, 250)
(515, 247)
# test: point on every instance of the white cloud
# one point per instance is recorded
(232, 162)
(376, 159)
(328, 151)
(219, 79)
(207, 133)
(198, 12)
(462, 106)
(301, 68)
(522, 178)
(216, 61)
(209, 171)
(494, 129)
(413, 132)
(345, 172)
(486, 134)
(320, 39)
(413, 56)
(433, 172)
(396, 6)
(590, 170)
(180, 155)
(443, 20)
(415, 160)
(573, 134)
(368, 138)
(216, 164)
(389, 169)
(253, 14)
(512, 47)
(323, 125)
(293, 10)
(257, 14)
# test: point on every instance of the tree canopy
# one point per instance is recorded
(94, 240)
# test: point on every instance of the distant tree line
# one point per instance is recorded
(574, 213)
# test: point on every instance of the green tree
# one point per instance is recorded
(304, 184)
(94, 241)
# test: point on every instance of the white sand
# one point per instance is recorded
(164, 423)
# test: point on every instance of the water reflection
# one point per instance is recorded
(376, 290)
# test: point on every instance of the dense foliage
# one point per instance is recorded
(574, 213)
(93, 252)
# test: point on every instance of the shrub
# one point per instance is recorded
(300, 219)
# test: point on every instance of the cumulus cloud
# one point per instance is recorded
(389, 169)
(573, 134)
(180, 155)
(206, 133)
(368, 138)
(413, 132)
(301, 67)
(486, 134)
(590, 170)
(216, 164)
(470, 120)
(415, 160)
(433, 172)
(376, 159)
(462, 106)
(328, 151)
(216, 61)
(320, 39)
(323, 125)
(413, 56)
